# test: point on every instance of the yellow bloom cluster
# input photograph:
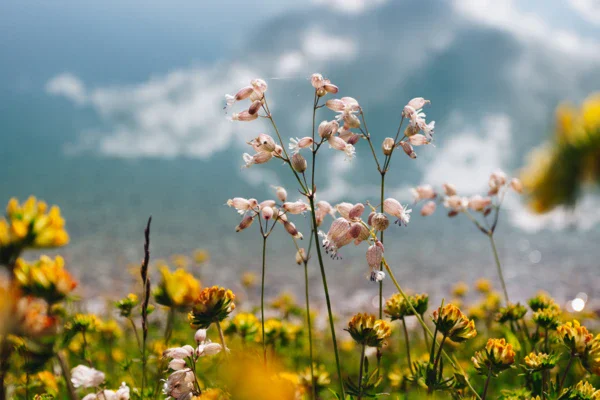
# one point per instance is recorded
(365, 329)
(46, 278)
(539, 361)
(246, 325)
(452, 323)
(176, 289)
(574, 336)
(591, 356)
(556, 170)
(32, 224)
(213, 304)
(496, 357)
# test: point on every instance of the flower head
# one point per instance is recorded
(180, 384)
(367, 330)
(46, 278)
(213, 304)
(176, 289)
(246, 325)
(591, 356)
(494, 358)
(82, 376)
(574, 336)
(534, 362)
(451, 322)
(396, 306)
(395, 209)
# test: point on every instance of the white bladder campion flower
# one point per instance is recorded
(395, 209)
(414, 112)
(297, 144)
(86, 377)
(123, 393)
(180, 384)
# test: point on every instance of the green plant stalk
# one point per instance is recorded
(327, 299)
(64, 367)
(262, 298)
(567, 368)
(425, 337)
(169, 327)
(407, 343)
(360, 372)
(498, 266)
(309, 325)
(487, 384)
(454, 364)
(222, 337)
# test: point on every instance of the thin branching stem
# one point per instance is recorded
(262, 298)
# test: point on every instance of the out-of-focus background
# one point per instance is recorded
(114, 111)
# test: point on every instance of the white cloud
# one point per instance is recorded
(587, 9)
(470, 154)
(350, 6)
(528, 27)
(321, 46)
(69, 86)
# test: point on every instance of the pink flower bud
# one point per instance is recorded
(323, 208)
(516, 185)
(242, 94)
(299, 163)
(265, 142)
(301, 256)
(329, 88)
(351, 105)
(353, 139)
(337, 236)
(418, 140)
(417, 103)
(291, 229)
(239, 203)
(267, 213)
(335, 105)
(278, 151)
(297, 144)
(428, 208)
(317, 81)
(244, 116)
(394, 208)
(449, 189)
(409, 112)
(259, 158)
(356, 211)
(259, 86)
(408, 149)
(281, 193)
(200, 336)
(254, 107)
(355, 230)
(344, 209)
(177, 364)
(321, 92)
(246, 222)
(423, 192)
(456, 203)
(336, 143)
(297, 207)
(374, 256)
(388, 146)
(497, 179)
(478, 203)
(379, 222)
(351, 121)
(328, 128)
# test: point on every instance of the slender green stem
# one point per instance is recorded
(498, 266)
(546, 346)
(425, 337)
(439, 355)
(262, 299)
(327, 299)
(85, 350)
(487, 384)
(64, 367)
(169, 327)
(360, 372)
(136, 334)
(407, 343)
(222, 337)
(309, 324)
(567, 368)
(544, 383)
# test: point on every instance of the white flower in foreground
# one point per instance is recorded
(82, 376)
(395, 209)
(177, 364)
(179, 352)
(208, 349)
(180, 384)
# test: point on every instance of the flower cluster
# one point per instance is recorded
(452, 323)
(396, 307)
(213, 304)
(496, 357)
(30, 224)
(45, 278)
(176, 289)
(366, 330)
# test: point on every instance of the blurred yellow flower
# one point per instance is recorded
(176, 289)
(460, 289)
(496, 357)
(201, 256)
(574, 336)
(248, 279)
(483, 285)
(246, 325)
(32, 224)
(45, 278)
(213, 304)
